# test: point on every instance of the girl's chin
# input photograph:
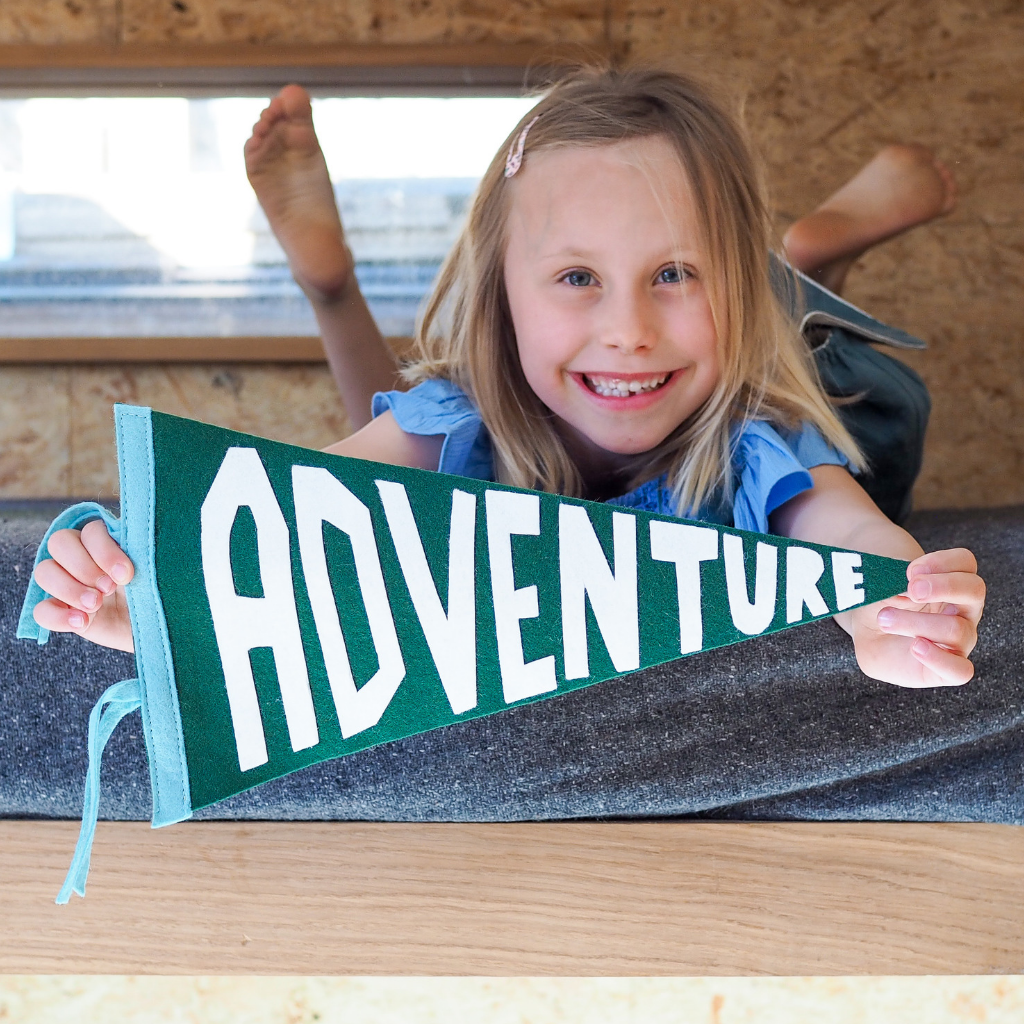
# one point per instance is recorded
(626, 448)
(619, 445)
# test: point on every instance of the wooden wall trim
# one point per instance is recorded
(272, 55)
(166, 350)
(475, 67)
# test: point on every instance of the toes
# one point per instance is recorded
(295, 103)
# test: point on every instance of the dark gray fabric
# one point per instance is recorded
(781, 727)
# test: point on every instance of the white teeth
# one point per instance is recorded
(614, 387)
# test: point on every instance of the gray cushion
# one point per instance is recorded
(782, 727)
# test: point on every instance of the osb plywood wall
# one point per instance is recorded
(825, 85)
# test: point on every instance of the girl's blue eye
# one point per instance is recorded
(579, 278)
(672, 275)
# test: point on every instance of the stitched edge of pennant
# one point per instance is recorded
(161, 715)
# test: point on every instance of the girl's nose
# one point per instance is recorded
(628, 323)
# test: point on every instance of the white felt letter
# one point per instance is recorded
(244, 623)
(321, 498)
(748, 618)
(687, 546)
(847, 582)
(584, 572)
(804, 567)
(451, 637)
(510, 513)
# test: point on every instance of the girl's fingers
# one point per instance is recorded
(59, 583)
(57, 617)
(104, 551)
(950, 560)
(964, 589)
(66, 547)
(945, 667)
(950, 630)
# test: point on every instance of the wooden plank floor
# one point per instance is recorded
(654, 898)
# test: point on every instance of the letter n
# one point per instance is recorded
(585, 573)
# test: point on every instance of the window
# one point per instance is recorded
(132, 217)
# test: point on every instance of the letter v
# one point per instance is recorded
(451, 637)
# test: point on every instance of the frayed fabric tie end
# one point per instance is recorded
(117, 701)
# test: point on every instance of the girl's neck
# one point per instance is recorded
(604, 474)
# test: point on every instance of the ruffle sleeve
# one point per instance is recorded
(441, 407)
(772, 466)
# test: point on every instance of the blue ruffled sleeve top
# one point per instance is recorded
(441, 407)
(770, 464)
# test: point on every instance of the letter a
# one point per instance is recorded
(243, 623)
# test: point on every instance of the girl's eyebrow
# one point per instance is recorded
(681, 255)
(568, 251)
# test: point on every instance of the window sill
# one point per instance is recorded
(167, 350)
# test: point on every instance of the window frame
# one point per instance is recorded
(202, 71)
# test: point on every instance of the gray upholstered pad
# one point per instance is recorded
(781, 727)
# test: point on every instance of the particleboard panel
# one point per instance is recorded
(48, 22)
(57, 422)
(826, 86)
(35, 431)
(295, 404)
(654, 898)
(364, 21)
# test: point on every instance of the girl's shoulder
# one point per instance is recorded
(440, 407)
(770, 465)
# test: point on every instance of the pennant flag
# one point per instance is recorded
(291, 606)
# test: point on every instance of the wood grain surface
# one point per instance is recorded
(238, 349)
(596, 898)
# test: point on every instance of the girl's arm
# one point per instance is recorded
(86, 571)
(360, 360)
(922, 638)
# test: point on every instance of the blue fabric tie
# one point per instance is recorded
(117, 701)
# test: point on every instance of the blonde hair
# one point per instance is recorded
(766, 372)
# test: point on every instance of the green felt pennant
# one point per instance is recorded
(317, 605)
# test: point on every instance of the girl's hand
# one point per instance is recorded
(86, 574)
(923, 638)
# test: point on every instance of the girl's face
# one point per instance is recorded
(605, 279)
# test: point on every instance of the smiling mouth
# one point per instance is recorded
(609, 386)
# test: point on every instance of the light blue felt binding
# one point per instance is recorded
(154, 690)
(161, 716)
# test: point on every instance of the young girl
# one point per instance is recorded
(605, 328)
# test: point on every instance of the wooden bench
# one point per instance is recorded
(652, 898)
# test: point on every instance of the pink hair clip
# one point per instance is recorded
(515, 152)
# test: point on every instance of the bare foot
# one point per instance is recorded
(287, 171)
(903, 186)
